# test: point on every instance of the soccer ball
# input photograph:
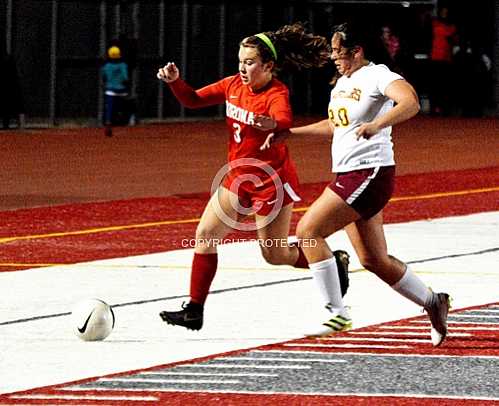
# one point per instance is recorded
(92, 320)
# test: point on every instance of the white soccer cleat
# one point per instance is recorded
(336, 324)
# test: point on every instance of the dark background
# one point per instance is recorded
(60, 74)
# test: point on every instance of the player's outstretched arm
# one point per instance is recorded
(168, 73)
(320, 128)
(185, 94)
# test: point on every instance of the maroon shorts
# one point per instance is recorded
(367, 191)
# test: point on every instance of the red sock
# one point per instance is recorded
(301, 262)
(204, 268)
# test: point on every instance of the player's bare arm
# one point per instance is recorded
(406, 106)
(320, 128)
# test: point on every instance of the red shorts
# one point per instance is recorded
(262, 199)
(367, 191)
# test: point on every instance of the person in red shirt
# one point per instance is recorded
(256, 180)
(444, 38)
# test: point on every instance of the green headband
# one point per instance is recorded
(268, 42)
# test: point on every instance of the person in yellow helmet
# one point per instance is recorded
(114, 52)
(115, 78)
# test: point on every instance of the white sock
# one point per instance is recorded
(413, 288)
(325, 274)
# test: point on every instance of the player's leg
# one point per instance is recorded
(328, 214)
(209, 233)
(368, 240)
(273, 240)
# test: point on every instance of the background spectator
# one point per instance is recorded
(390, 41)
(399, 57)
(444, 38)
(471, 62)
(129, 50)
(115, 77)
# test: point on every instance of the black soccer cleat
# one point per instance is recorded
(342, 262)
(190, 317)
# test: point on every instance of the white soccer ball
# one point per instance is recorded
(92, 319)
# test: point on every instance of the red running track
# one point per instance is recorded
(74, 233)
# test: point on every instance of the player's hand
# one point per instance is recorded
(168, 73)
(268, 141)
(272, 138)
(264, 123)
(367, 130)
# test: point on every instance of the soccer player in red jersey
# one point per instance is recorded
(259, 181)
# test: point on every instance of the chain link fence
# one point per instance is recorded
(60, 45)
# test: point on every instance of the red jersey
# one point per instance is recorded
(242, 104)
(443, 35)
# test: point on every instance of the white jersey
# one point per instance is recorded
(358, 99)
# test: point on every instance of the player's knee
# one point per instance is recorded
(373, 263)
(205, 235)
(273, 255)
(306, 231)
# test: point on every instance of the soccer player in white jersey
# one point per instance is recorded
(366, 101)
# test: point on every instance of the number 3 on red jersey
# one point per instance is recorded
(237, 132)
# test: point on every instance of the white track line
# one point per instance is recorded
(347, 346)
(404, 333)
(156, 380)
(87, 397)
(284, 359)
(480, 323)
(370, 354)
(493, 311)
(247, 366)
(427, 328)
(306, 394)
(377, 339)
(206, 374)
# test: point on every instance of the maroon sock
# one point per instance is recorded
(204, 268)
(301, 262)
